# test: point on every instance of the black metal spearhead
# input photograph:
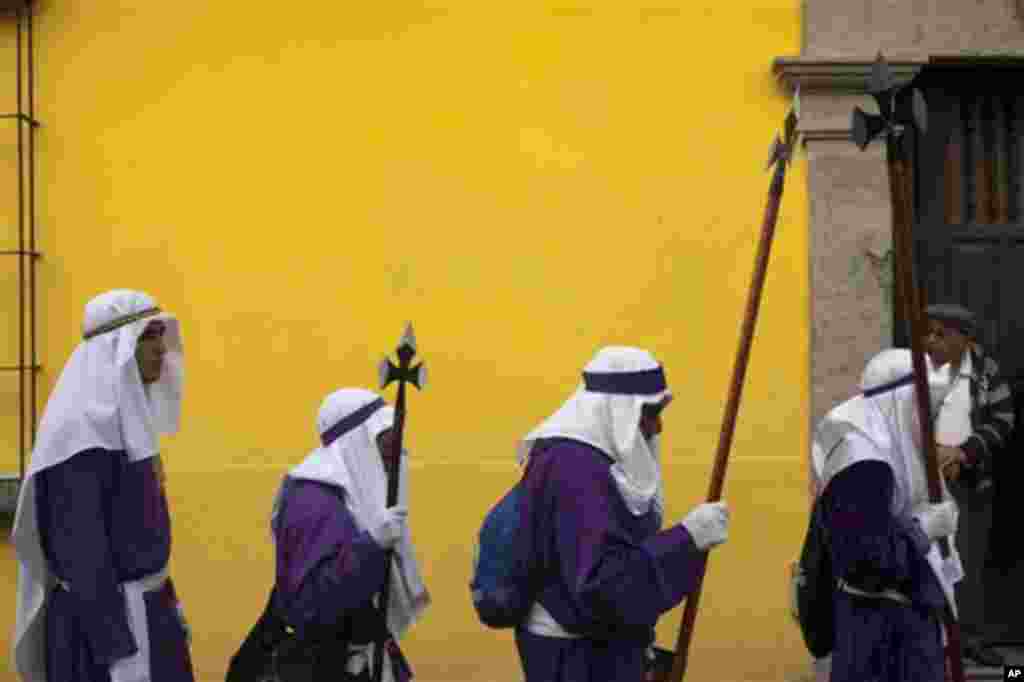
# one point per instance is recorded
(880, 86)
(782, 147)
(388, 372)
(897, 108)
(866, 127)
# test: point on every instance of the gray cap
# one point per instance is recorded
(953, 315)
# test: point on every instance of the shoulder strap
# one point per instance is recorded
(816, 509)
(818, 518)
(824, 462)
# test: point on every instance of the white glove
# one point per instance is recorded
(387, 529)
(921, 507)
(937, 520)
(708, 524)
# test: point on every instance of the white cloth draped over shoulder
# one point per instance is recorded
(604, 413)
(99, 401)
(349, 421)
(881, 424)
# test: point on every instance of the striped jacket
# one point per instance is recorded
(992, 416)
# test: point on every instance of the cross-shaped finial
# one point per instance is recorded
(389, 372)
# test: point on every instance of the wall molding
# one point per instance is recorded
(837, 76)
(825, 135)
(850, 75)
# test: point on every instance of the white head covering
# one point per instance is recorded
(953, 423)
(887, 366)
(884, 417)
(349, 422)
(99, 402)
(604, 412)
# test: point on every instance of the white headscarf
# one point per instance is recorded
(885, 367)
(99, 402)
(352, 460)
(604, 412)
(885, 418)
(953, 423)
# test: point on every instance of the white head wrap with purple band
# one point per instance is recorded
(604, 412)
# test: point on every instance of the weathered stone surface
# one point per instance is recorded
(850, 223)
(910, 28)
(849, 234)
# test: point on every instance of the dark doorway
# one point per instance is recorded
(969, 249)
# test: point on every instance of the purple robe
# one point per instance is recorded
(328, 571)
(601, 572)
(103, 520)
(880, 640)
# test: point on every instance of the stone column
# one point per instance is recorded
(850, 225)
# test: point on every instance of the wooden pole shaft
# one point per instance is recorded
(913, 307)
(393, 474)
(732, 408)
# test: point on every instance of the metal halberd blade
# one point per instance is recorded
(782, 147)
(408, 338)
(384, 372)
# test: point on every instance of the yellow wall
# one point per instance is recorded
(526, 181)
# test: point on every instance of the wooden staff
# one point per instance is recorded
(892, 122)
(780, 156)
(403, 374)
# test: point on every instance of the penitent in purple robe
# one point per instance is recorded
(880, 640)
(602, 572)
(328, 571)
(103, 520)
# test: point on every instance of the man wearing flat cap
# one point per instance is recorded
(973, 426)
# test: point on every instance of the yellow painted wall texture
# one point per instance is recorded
(526, 181)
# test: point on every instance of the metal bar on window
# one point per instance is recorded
(967, 177)
(1014, 116)
(953, 184)
(21, 257)
(1000, 152)
(980, 141)
(34, 376)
